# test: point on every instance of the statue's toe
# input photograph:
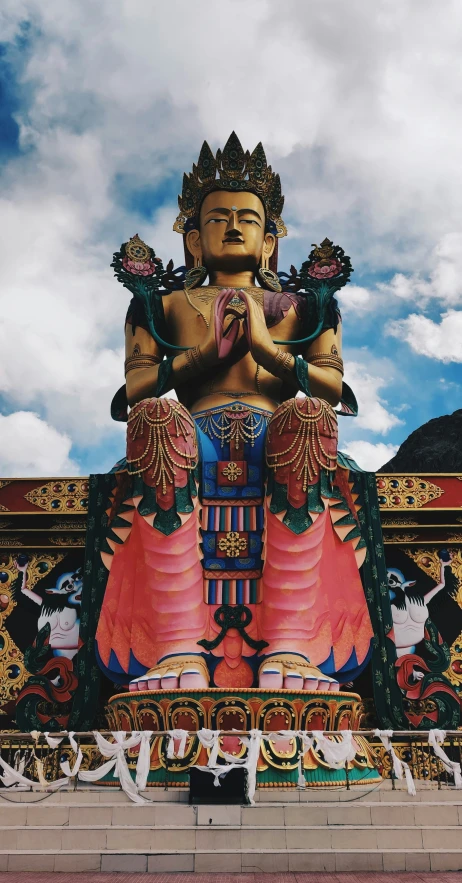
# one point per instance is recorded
(271, 677)
(193, 678)
(324, 685)
(293, 680)
(169, 681)
(138, 684)
(311, 684)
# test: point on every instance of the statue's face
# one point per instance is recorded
(231, 233)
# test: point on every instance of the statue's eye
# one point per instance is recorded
(216, 221)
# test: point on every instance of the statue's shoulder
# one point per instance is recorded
(276, 305)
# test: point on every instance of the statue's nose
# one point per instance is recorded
(233, 227)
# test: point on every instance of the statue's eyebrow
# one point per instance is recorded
(226, 211)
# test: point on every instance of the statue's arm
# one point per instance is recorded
(320, 377)
(143, 357)
(318, 372)
(324, 379)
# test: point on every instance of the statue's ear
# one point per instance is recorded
(269, 245)
(193, 244)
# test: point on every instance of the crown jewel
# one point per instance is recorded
(231, 169)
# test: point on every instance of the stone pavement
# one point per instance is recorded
(360, 877)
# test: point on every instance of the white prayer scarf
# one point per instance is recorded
(210, 740)
(181, 737)
(116, 752)
(249, 763)
(400, 767)
(65, 765)
(436, 740)
(336, 754)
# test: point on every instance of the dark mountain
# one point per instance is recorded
(434, 447)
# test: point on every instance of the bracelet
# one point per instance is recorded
(144, 360)
(194, 360)
(189, 364)
(197, 359)
(283, 360)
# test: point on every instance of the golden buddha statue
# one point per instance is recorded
(236, 543)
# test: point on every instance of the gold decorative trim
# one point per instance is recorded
(406, 491)
(61, 495)
(400, 537)
(400, 521)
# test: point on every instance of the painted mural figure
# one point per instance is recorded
(422, 654)
(60, 608)
(410, 609)
(235, 546)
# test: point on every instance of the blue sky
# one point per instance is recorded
(101, 112)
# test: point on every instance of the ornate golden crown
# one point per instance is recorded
(231, 169)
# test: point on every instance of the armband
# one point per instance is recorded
(327, 360)
(142, 360)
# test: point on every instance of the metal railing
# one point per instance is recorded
(411, 746)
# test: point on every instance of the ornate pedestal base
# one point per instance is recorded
(227, 709)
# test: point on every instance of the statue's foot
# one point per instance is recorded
(289, 671)
(185, 672)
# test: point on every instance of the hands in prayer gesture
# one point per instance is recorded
(224, 331)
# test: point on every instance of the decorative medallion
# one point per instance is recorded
(61, 496)
(232, 471)
(232, 544)
(402, 492)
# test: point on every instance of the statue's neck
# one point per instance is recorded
(224, 279)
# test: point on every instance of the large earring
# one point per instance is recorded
(266, 277)
(196, 275)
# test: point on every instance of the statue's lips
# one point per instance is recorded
(233, 242)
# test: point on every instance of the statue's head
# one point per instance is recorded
(230, 210)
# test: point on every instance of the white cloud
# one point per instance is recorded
(445, 277)
(370, 456)
(29, 446)
(356, 299)
(374, 411)
(370, 107)
(441, 341)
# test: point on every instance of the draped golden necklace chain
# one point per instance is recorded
(210, 292)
